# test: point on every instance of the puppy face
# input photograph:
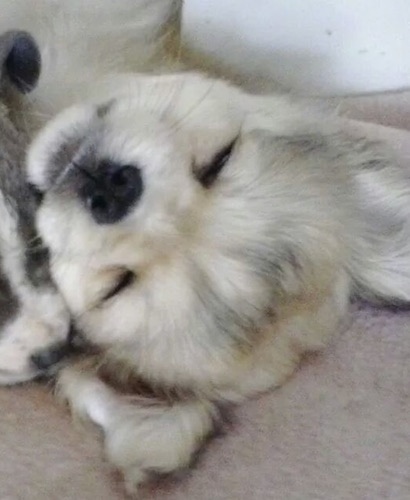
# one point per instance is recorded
(168, 225)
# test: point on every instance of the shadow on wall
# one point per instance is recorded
(246, 67)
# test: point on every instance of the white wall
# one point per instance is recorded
(318, 46)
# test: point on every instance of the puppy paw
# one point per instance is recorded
(148, 440)
(144, 437)
(87, 397)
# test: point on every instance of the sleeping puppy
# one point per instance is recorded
(34, 321)
(203, 239)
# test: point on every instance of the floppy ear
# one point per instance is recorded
(20, 60)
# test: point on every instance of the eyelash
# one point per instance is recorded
(125, 280)
(208, 174)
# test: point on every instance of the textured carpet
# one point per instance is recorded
(340, 429)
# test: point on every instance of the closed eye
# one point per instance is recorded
(37, 194)
(124, 281)
(208, 174)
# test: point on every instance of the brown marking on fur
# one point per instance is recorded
(123, 379)
(302, 143)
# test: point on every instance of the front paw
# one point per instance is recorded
(148, 439)
(87, 397)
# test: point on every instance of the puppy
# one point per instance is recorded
(34, 321)
(203, 239)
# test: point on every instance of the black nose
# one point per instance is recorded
(110, 191)
(45, 359)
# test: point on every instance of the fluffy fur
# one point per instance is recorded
(234, 273)
(33, 315)
(34, 318)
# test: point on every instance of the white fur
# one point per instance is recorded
(273, 197)
(41, 318)
(81, 42)
(234, 282)
(72, 59)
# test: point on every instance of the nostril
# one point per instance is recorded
(98, 203)
(45, 359)
(125, 181)
(120, 178)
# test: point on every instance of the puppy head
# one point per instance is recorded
(168, 232)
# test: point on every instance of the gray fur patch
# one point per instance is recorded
(378, 164)
(37, 264)
(79, 147)
(9, 303)
(223, 320)
(302, 143)
(21, 202)
(63, 157)
(104, 109)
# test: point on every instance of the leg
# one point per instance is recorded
(142, 436)
(39, 326)
(303, 327)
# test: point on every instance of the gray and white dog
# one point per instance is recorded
(203, 238)
(32, 314)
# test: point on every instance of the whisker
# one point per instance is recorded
(84, 171)
(177, 125)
